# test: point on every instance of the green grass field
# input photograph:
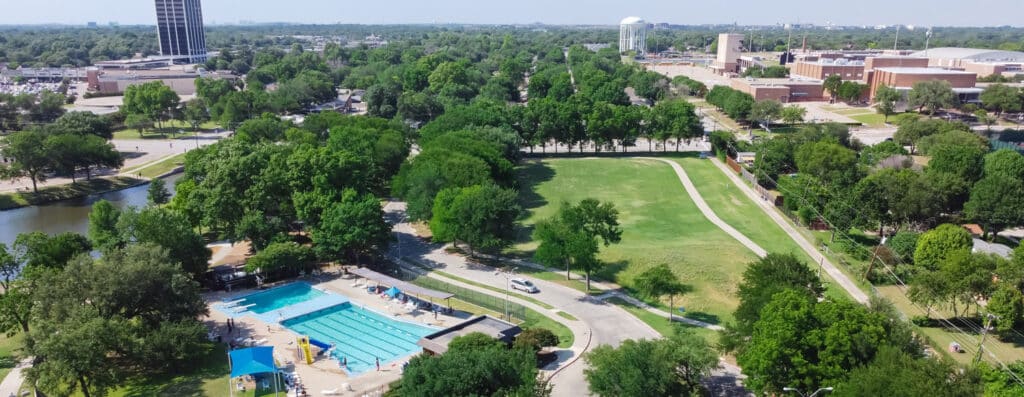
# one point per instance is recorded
(659, 221)
(158, 168)
(10, 351)
(168, 129)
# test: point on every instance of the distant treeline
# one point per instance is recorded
(79, 46)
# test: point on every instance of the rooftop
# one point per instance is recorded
(438, 342)
(922, 71)
(974, 54)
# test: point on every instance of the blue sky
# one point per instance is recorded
(857, 12)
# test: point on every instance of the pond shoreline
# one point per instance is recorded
(55, 194)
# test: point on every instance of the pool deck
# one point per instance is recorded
(323, 374)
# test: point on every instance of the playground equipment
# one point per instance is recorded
(305, 353)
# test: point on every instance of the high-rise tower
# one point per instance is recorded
(633, 35)
(180, 29)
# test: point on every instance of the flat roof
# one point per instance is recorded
(401, 285)
(920, 70)
(498, 329)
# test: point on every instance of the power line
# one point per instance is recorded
(891, 272)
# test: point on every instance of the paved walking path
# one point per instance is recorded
(840, 278)
(12, 382)
(706, 210)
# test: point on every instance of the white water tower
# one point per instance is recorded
(633, 35)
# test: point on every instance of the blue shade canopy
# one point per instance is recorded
(392, 292)
(254, 360)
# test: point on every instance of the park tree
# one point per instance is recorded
(657, 282)
(138, 122)
(168, 230)
(40, 250)
(1001, 98)
(352, 227)
(832, 84)
(1001, 381)
(886, 99)
(801, 343)
(766, 277)
(851, 91)
(281, 257)
(899, 374)
(157, 192)
(1007, 303)
(84, 123)
(153, 100)
(675, 119)
(139, 300)
(571, 237)
(665, 367)
(103, 233)
(195, 113)
(966, 162)
(481, 370)
(932, 95)
(536, 338)
(766, 111)
(793, 114)
(995, 203)
(872, 155)
(97, 153)
(831, 163)
(482, 216)
(419, 107)
(32, 160)
(903, 244)
(1006, 162)
(936, 246)
(986, 119)
(952, 138)
(433, 170)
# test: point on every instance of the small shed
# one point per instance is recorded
(437, 343)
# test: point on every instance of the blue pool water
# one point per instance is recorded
(276, 298)
(360, 335)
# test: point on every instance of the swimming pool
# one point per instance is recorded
(360, 335)
(279, 297)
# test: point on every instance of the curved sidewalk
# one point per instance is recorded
(706, 210)
(837, 275)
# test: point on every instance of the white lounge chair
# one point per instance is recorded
(332, 392)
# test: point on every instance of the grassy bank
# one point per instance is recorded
(51, 194)
(659, 221)
(160, 167)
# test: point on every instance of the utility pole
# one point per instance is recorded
(984, 334)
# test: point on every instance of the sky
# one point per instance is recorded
(688, 12)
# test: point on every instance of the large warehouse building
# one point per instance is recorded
(983, 62)
(903, 79)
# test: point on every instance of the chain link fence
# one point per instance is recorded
(516, 312)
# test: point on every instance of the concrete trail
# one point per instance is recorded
(706, 210)
(837, 275)
(12, 382)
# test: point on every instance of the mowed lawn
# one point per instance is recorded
(736, 209)
(659, 221)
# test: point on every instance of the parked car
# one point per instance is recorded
(523, 285)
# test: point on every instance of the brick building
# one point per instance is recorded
(903, 79)
(822, 68)
(782, 90)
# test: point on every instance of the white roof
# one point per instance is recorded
(973, 54)
(632, 21)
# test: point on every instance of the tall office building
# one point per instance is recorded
(180, 29)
